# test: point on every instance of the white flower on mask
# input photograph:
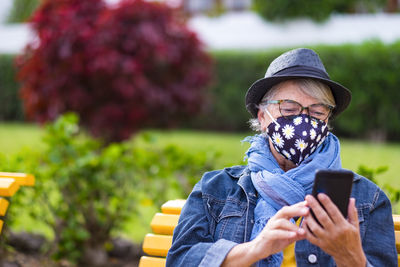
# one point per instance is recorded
(287, 155)
(314, 123)
(288, 131)
(318, 138)
(277, 139)
(313, 133)
(300, 144)
(292, 151)
(297, 120)
(322, 141)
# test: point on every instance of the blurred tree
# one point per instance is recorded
(120, 68)
(280, 10)
(22, 10)
(392, 6)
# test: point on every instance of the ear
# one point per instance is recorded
(261, 119)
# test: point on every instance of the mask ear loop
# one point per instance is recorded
(270, 116)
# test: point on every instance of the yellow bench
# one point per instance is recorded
(9, 185)
(157, 244)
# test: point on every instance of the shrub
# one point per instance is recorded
(392, 192)
(10, 106)
(22, 10)
(119, 68)
(85, 191)
(280, 10)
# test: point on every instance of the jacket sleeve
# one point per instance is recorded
(379, 241)
(193, 244)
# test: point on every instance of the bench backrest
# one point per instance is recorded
(157, 244)
(10, 182)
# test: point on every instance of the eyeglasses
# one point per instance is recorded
(292, 108)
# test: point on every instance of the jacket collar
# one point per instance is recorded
(236, 171)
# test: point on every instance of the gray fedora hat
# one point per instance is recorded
(297, 63)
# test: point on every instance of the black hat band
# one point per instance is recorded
(300, 70)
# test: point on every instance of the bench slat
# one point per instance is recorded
(173, 206)
(3, 206)
(396, 221)
(8, 187)
(21, 178)
(157, 245)
(164, 224)
(152, 262)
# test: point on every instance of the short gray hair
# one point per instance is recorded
(311, 87)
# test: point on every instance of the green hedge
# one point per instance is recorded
(10, 104)
(370, 70)
(22, 10)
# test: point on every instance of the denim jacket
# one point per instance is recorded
(219, 214)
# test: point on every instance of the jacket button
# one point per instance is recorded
(312, 258)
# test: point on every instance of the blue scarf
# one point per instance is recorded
(277, 188)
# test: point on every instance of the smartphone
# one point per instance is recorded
(337, 185)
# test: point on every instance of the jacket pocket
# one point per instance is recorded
(229, 218)
(363, 213)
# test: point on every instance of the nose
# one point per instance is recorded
(304, 110)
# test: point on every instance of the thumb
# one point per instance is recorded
(352, 212)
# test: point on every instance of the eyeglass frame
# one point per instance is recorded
(302, 107)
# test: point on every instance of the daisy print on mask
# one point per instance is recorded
(300, 144)
(313, 133)
(277, 139)
(297, 120)
(314, 123)
(287, 155)
(288, 131)
(296, 138)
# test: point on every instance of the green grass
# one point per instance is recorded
(373, 155)
(13, 137)
(227, 145)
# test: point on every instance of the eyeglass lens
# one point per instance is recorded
(290, 108)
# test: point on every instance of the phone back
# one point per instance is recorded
(336, 184)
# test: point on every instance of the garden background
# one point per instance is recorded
(101, 175)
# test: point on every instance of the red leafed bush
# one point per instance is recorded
(120, 68)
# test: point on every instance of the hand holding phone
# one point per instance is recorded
(337, 185)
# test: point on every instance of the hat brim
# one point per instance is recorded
(259, 88)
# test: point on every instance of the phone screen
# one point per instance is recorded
(337, 185)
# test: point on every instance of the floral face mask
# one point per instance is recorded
(296, 137)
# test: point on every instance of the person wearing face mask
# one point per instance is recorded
(260, 213)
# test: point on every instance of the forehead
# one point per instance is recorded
(291, 90)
